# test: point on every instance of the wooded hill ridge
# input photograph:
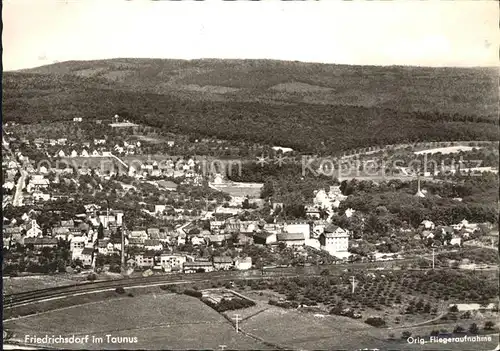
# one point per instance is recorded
(308, 106)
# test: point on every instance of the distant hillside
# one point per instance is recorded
(467, 91)
(304, 105)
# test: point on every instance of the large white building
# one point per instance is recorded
(329, 199)
(335, 241)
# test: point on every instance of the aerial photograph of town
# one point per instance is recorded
(250, 175)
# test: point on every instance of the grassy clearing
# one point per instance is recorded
(21, 284)
(446, 150)
(159, 321)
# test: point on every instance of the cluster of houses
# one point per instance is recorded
(456, 232)
(96, 232)
(164, 168)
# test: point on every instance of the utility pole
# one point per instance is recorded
(107, 213)
(123, 247)
(353, 283)
(237, 319)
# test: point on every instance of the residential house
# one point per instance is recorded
(145, 260)
(39, 196)
(91, 208)
(139, 234)
(228, 210)
(111, 217)
(243, 264)
(68, 223)
(77, 242)
(265, 238)
(172, 262)
(74, 153)
(465, 226)
(313, 212)
(14, 232)
(37, 182)
(60, 232)
(222, 262)
(86, 256)
(197, 241)
(429, 225)
(298, 227)
(198, 266)
(117, 243)
(335, 241)
(163, 236)
(216, 225)
(39, 243)
(152, 231)
(62, 141)
(43, 170)
(137, 242)
(153, 245)
(167, 185)
(216, 240)
(328, 199)
(39, 142)
(243, 239)
(160, 209)
(105, 247)
(291, 239)
(456, 240)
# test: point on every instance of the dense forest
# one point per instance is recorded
(307, 128)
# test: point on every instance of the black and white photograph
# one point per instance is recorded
(250, 175)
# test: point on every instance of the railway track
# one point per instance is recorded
(33, 296)
(17, 299)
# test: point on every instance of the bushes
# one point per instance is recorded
(284, 304)
(91, 277)
(376, 322)
(233, 304)
(489, 325)
(406, 334)
(473, 328)
(120, 290)
(115, 268)
(193, 293)
(171, 288)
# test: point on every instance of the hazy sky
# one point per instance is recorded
(411, 32)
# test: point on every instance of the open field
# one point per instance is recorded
(307, 331)
(20, 284)
(163, 321)
(13, 285)
(239, 190)
(446, 150)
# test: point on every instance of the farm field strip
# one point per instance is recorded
(169, 321)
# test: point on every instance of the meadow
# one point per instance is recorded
(159, 321)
